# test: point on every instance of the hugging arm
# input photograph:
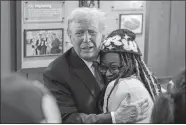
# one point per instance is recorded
(131, 101)
(67, 105)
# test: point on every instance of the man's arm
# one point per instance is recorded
(67, 106)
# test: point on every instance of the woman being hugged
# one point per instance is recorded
(125, 73)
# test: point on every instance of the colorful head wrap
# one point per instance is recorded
(121, 40)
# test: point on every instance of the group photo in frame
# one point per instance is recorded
(133, 22)
(43, 42)
(89, 3)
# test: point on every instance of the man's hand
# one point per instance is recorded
(131, 112)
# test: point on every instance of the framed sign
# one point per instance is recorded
(133, 22)
(128, 5)
(43, 11)
(43, 42)
(89, 3)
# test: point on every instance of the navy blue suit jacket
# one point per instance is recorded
(75, 88)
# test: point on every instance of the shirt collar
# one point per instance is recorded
(89, 64)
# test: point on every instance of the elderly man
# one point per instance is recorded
(74, 80)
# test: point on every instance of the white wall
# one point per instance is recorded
(159, 56)
(166, 49)
(112, 23)
(113, 20)
(5, 39)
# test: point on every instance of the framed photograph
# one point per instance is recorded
(133, 22)
(89, 3)
(43, 42)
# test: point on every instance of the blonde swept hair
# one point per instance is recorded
(89, 14)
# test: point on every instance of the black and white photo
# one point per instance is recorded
(89, 3)
(43, 42)
(133, 22)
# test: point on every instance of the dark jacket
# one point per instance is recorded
(55, 46)
(75, 89)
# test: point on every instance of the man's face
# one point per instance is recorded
(54, 36)
(86, 38)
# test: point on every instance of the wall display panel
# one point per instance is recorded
(43, 11)
(128, 5)
(29, 61)
(40, 37)
(133, 22)
(113, 19)
(89, 3)
(43, 42)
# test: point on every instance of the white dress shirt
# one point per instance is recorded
(89, 65)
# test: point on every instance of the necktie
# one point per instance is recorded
(97, 75)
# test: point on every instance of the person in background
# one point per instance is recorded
(44, 42)
(34, 47)
(73, 78)
(38, 44)
(125, 73)
(49, 42)
(27, 102)
(170, 107)
(55, 45)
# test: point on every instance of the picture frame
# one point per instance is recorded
(133, 22)
(43, 42)
(89, 3)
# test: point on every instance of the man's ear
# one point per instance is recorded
(68, 32)
(103, 38)
(69, 35)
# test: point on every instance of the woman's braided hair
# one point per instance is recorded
(132, 64)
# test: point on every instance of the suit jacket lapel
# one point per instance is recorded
(84, 74)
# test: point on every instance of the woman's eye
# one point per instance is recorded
(114, 67)
(102, 67)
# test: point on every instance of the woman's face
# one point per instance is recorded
(110, 65)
